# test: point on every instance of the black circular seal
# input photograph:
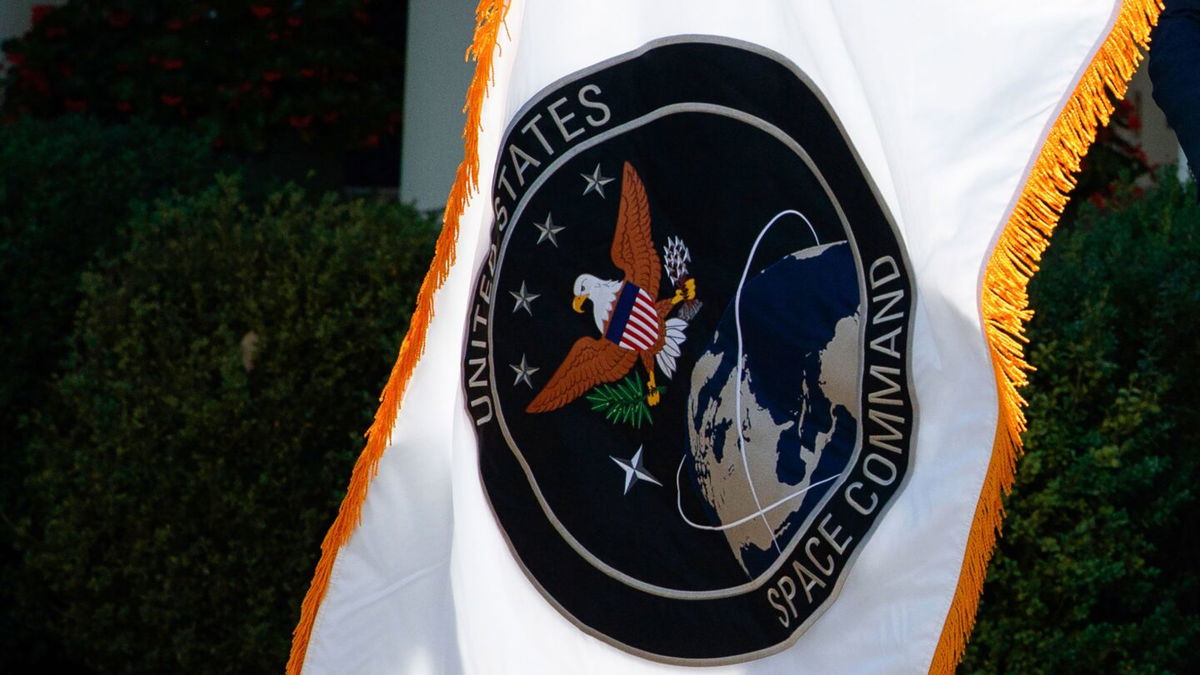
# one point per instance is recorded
(687, 359)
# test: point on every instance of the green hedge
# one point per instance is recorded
(66, 188)
(1096, 571)
(223, 370)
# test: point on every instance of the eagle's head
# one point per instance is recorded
(602, 293)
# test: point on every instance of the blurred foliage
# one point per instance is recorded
(66, 186)
(223, 369)
(253, 76)
(1096, 570)
(65, 190)
(1111, 163)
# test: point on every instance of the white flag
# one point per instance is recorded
(716, 364)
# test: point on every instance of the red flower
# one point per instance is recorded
(331, 116)
(172, 64)
(261, 11)
(16, 59)
(124, 106)
(74, 104)
(273, 36)
(35, 79)
(175, 24)
(172, 101)
(308, 72)
(119, 19)
(294, 21)
(371, 141)
(300, 121)
(40, 12)
(272, 76)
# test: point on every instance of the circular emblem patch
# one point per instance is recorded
(687, 357)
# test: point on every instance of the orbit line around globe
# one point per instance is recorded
(737, 394)
(745, 519)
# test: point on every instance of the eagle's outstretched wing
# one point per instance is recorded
(633, 249)
(590, 362)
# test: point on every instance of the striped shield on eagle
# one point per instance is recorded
(632, 324)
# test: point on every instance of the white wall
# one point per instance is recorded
(1155, 137)
(15, 15)
(435, 88)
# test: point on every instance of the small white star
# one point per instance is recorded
(524, 370)
(547, 230)
(524, 297)
(595, 182)
(634, 470)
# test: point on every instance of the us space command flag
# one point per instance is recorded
(716, 363)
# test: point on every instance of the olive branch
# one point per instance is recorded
(623, 402)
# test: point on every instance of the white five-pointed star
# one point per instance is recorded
(524, 370)
(547, 230)
(524, 297)
(595, 182)
(634, 470)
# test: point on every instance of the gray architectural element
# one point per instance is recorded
(435, 83)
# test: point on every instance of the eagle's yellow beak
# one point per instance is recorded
(577, 303)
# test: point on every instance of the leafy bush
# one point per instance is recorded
(251, 74)
(65, 189)
(222, 373)
(1096, 569)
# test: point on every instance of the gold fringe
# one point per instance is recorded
(1006, 304)
(489, 17)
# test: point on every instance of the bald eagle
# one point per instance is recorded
(633, 326)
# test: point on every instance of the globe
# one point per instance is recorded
(793, 402)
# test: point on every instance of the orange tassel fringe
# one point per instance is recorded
(489, 16)
(1006, 303)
